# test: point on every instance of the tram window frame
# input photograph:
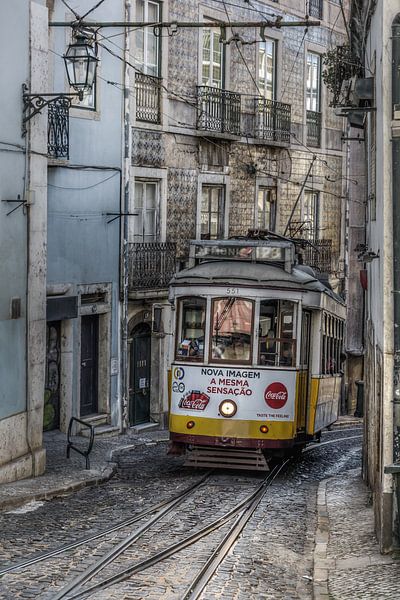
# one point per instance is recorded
(221, 360)
(332, 345)
(190, 344)
(278, 341)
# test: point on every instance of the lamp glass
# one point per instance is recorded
(80, 62)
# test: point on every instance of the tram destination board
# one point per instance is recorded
(240, 250)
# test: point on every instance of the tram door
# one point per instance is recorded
(305, 353)
(139, 375)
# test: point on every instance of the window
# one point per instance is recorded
(266, 208)
(231, 331)
(310, 227)
(313, 91)
(147, 56)
(146, 206)
(277, 338)
(212, 59)
(212, 212)
(191, 329)
(267, 69)
(332, 345)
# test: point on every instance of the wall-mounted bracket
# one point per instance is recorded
(34, 103)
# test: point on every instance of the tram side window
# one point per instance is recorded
(231, 334)
(191, 328)
(277, 333)
(332, 345)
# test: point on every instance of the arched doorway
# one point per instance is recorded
(139, 375)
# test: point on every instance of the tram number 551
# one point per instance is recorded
(232, 291)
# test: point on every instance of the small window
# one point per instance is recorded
(267, 69)
(191, 329)
(212, 212)
(231, 333)
(313, 90)
(277, 339)
(266, 208)
(310, 223)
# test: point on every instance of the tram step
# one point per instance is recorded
(226, 458)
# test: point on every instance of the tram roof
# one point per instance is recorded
(270, 276)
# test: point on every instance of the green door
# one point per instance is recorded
(139, 375)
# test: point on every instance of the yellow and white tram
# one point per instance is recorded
(257, 350)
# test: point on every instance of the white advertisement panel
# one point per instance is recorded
(257, 393)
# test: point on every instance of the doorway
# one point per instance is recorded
(89, 364)
(304, 370)
(139, 375)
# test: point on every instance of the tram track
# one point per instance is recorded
(240, 514)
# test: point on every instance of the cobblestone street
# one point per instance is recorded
(274, 558)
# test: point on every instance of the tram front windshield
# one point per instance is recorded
(232, 324)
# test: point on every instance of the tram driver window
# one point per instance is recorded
(232, 324)
(191, 329)
(276, 335)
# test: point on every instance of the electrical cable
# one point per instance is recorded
(91, 10)
(88, 187)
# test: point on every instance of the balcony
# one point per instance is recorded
(58, 128)
(148, 98)
(318, 255)
(314, 120)
(218, 110)
(315, 8)
(151, 265)
(272, 121)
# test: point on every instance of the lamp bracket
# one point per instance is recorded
(34, 103)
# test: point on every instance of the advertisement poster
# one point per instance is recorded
(257, 393)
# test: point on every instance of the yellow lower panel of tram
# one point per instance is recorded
(233, 428)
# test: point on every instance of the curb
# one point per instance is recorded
(66, 488)
(320, 570)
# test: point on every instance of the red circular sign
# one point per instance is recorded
(276, 395)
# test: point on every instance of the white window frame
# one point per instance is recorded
(313, 81)
(145, 237)
(147, 32)
(210, 80)
(310, 213)
(263, 85)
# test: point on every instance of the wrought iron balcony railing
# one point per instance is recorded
(148, 98)
(315, 8)
(314, 120)
(151, 265)
(58, 128)
(318, 255)
(218, 110)
(273, 120)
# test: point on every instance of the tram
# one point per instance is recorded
(258, 352)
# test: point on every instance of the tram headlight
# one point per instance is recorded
(264, 429)
(190, 424)
(228, 408)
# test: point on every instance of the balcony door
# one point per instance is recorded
(89, 364)
(146, 207)
(267, 69)
(212, 73)
(139, 375)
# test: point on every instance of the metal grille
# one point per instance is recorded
(319, 255)
(273, 120)
(314, 128)
(58, 128)
(218, 110)
(151, 265)
(148, 98)
(315, 8)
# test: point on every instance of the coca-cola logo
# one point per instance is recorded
(276, 395)
(194, 400)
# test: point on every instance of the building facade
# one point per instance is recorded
(232, 131)
(23, 185)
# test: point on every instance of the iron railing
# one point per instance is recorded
(314, 120)
(151, 265)
(148, 98)
(315, 8)
(58, 128)
(318, 255)
(218, 110)
(273, 120)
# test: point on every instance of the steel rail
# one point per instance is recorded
(319, 444)
(203, 577)
(124, 544)
(46, 555)
(239, 509)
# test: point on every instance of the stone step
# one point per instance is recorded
(102, 430)
(143, 427)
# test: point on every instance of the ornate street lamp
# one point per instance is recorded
(80, 61)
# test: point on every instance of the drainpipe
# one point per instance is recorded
(125, 247)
